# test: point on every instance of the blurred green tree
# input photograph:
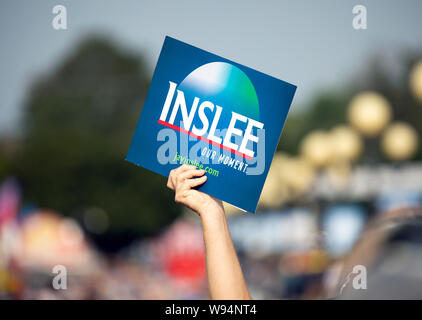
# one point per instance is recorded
(327, 110)
(3, 166)
(79, 122)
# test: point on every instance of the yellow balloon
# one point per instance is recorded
(400, 141)
(346, 142)
(274, 193)
(416, 81)
(369, 112)
(298, 174)
(317, 148)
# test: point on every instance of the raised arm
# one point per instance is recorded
(225, 277)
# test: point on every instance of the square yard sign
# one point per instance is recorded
(214, 113)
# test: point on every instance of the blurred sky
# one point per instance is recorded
(310, 43)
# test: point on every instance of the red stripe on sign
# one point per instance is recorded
(172, 126)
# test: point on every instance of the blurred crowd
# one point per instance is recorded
(295, 252)
(33, 243)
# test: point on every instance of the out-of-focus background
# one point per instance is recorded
(344, 189)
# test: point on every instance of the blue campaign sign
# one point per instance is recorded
(214, 113)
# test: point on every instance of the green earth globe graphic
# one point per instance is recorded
(225, 85)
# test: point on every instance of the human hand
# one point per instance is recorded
(182, 180)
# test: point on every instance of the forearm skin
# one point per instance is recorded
(225, 277)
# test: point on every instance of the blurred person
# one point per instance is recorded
(391, 251)
(390, 247)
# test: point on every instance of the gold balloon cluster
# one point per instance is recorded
(323, 148)
(370, 113)
(334, 151)
(288, 177)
